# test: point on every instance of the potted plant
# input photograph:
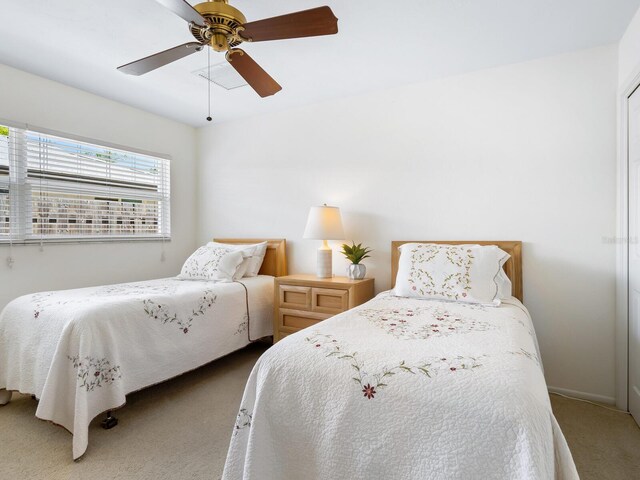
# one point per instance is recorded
(355, 254)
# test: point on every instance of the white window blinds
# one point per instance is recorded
(54, 188)
(4, 183)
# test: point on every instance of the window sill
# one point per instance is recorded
(66, 241)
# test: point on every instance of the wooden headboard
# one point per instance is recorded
(513, 267)
(275, 260)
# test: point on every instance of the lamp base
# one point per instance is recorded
(323, 268)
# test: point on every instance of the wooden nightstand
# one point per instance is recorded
(304, 300)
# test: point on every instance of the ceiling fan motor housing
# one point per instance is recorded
(224, 20)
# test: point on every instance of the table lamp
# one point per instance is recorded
(324, 223)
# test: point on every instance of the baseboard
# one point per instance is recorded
(583, 395)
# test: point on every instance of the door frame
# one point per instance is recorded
(622, 245)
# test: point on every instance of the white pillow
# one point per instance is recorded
(463, 273)
(257, 259)
(505, 289)
(210, 263)
(241, 271)
(253, 256)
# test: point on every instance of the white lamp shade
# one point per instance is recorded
(324, 223)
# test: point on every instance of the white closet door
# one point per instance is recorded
(634, 254)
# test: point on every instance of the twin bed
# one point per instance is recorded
(404, 388)
(81, 351)
(395, 388)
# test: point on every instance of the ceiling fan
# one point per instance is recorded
(217, 24)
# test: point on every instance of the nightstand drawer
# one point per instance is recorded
(298, 320)
(301, 301)
(298, 298)
(329, 300)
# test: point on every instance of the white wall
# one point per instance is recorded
(629, 52)
(37, 101)
(524, 152)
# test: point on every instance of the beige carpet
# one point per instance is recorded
(605, 445)
(176, 430)
(181, 430)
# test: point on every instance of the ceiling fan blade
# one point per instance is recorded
(147, 64)
(253, 73)
(183, 10)
(307, 23)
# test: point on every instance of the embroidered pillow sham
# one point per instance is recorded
(212, 263)
(253, 256)
(505, 288)
(462, 273)
(257, 259)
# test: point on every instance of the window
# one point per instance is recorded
(4, 182)
(54, 188)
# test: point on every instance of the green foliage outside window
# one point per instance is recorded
(4, 130)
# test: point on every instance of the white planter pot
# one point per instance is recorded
(356, 271)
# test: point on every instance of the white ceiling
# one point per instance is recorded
(380, 44)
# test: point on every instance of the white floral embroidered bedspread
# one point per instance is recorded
(402, 389)
(81, 351)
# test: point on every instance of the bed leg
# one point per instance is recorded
(5, 396)
(109, 422)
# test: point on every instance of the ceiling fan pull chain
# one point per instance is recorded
(209, 81)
